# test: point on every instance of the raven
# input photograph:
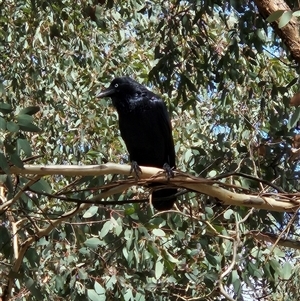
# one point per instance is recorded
(146, 130)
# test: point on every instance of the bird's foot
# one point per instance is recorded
(169, 171)
(135, 169)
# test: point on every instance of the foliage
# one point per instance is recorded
(227, 79)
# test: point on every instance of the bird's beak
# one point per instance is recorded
(106, 93)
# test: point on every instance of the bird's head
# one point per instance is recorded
(121, 87)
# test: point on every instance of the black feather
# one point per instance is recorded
(145, 128)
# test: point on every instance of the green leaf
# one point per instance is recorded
(106, 228)
(209, 211)
(5, 108)
(16, 160)
(261, 34)
(3, 163)
(24, 119)
(93, 296)
(158, 232)
(128, 296)
(29, 283)
(12, 127)
(128, 235)
(254, 270)
(185, 20)
(3, 179)
(23, 144)
(32, 287)
(82, 274)
(4, 236)
(168, 257)
(110, 284)
(285, 19)
(2, 124)
(150, 286)
(212, 173)
(159, 269)
(210, 279)
(118, 229)
(25, 123)
(296, 13)
(188, 155)
(41, 186)
(211, 259)
(99, 288)
(237, 286)
(29, 110)
(98, 12)
(30, 128)
(2, 88)
(93, 243)
(286, 271)
(32, 257)
(275, 265)
(228, 213)
(279, 252)
(129, 211)
(91, 212)
(294, 119)
(275, 16)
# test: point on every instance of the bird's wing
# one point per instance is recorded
(162, 119)
(146, 130)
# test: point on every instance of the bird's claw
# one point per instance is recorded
(135, 169)
(169, 171)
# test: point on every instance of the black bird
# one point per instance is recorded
(145, 127)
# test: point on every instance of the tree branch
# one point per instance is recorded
(290, 32)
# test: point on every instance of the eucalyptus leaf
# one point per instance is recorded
(285, 18)
(5, 108)
(275, 16)
(29, 110)
(159, 269)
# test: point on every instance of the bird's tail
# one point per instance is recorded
(162, 205)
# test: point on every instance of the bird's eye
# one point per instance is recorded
(116, 85)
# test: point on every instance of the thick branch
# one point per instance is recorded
(290, 32)
(80, 170)
(280, 202)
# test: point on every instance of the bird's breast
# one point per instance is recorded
(143, 137)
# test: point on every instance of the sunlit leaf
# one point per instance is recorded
(93, 296)
(296, 13)
(228, 213)
(93, 243)
(159, 269)
(275, 16)
(107, 226)
(294, 119)
(286, 271)
(158, 232)
(285, 18)
(99, 288)
(90, 212)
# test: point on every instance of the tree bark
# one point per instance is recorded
(290, 32)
